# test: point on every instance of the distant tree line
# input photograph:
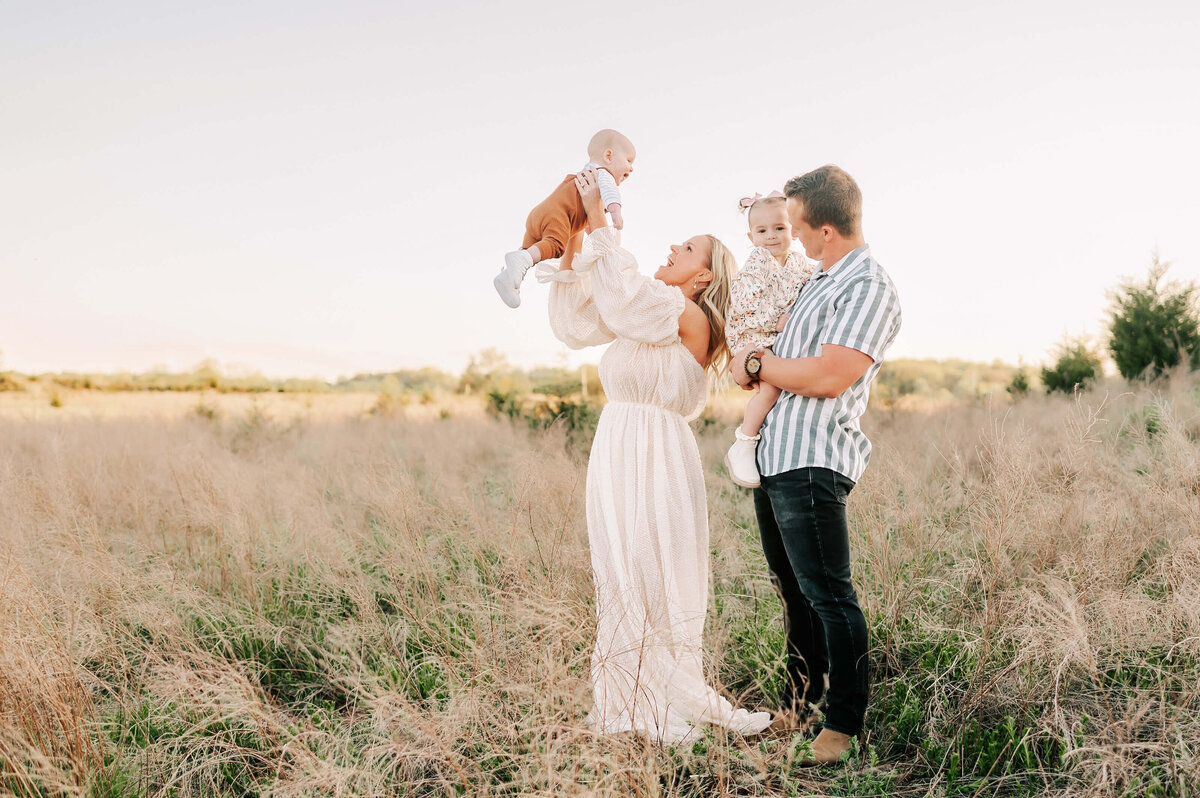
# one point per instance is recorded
(939, 379)
(1153, 329)
(487, 371)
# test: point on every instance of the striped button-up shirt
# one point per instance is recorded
(854, 304)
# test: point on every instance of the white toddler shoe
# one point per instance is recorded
(740, 461)
(508, 281)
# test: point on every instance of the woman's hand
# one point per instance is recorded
(589, 191)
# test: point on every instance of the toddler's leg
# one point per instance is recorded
(759, 406)
(573, 248)
(740, 460)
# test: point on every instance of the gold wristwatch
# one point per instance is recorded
(753, 363)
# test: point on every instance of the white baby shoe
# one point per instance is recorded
(740, 462)
(508, 281)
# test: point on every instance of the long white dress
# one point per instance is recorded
(646, 507)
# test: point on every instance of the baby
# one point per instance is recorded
(761, 293)
(555, 227)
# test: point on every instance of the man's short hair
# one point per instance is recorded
(830, 197)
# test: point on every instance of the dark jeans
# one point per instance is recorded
(802, 520)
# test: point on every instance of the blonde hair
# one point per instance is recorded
(714, 302)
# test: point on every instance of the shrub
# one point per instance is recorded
(9, 382)
(504, 403)
(207, 411)
(1019, 385)
(389, 404)
(1076, 367)
(577, 417)
(1154, 325)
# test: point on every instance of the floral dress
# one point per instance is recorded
(761, 292)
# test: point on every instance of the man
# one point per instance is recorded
(812, 451)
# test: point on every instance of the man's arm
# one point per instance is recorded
(865, 321)
(823, 377)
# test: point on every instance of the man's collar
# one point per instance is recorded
(845, 264)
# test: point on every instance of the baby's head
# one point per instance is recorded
(769, 225)
(614, 152)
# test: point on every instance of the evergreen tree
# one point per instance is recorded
(1077, 366)
(1154, 325)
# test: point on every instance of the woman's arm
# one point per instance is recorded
(589, 191)
(630, 304)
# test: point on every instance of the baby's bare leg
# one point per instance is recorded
(759, 406)
(574, 245)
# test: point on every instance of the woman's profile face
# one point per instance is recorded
(687, 263)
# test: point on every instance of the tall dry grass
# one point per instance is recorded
(274, 597)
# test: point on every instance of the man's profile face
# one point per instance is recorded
(811, 238)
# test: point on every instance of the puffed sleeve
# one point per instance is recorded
(574, 317)
(751, 316)
(630, 304)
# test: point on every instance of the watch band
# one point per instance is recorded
(758, 353)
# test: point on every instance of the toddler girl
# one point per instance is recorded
(761, 293)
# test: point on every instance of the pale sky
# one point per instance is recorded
(316, 188)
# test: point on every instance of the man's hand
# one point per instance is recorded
(737, 368)
(783, 320)
(614, 210)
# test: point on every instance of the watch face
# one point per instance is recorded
(753, 364)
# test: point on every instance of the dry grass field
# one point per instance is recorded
(297, 596)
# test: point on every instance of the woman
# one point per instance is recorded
(646, 508)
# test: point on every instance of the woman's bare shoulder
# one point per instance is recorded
(694, 330)
(693, 317)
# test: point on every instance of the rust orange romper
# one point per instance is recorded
(555, 219)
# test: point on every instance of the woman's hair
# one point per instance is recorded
(714, 301)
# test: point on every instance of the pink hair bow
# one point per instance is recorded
(746, 202)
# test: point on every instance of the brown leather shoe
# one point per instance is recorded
(786, 721)
(828, 748)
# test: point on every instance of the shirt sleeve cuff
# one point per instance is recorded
(551, 271)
